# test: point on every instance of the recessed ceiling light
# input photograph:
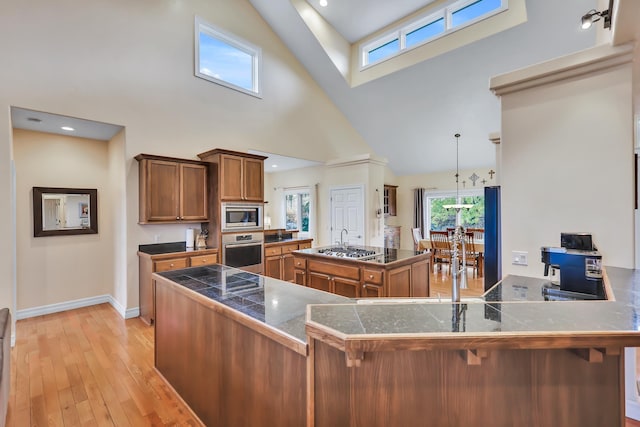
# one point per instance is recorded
(33, 119)
(274, 166)
(323, 3)
(68, 128)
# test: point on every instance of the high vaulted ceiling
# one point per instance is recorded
(356, 19)
(410, 116)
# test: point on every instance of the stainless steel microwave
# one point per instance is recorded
(241, 217)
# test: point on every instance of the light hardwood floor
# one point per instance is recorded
(89, 367)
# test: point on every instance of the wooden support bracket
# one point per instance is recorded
(591, 355)
(354, 357)
(474, 357)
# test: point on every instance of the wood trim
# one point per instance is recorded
(216, 151)
(143, 156)
(270, 332)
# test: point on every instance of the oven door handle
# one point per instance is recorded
(237, 245)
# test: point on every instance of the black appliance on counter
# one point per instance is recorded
(580, 266)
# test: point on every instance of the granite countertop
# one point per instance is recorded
(513, 310)
(280, 305)
(167, 248)
(387, 255)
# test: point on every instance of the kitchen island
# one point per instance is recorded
(364, 271)
(251, 359)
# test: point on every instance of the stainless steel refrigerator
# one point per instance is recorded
(492, 237)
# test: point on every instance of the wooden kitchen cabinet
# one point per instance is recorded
(149, 264)
(279, 260)
(354, 278)
(373, 283)
(390, 200)
(241, 178)
(172, 190)
(338, 279)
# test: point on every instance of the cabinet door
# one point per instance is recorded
(300, 277)
(287, 268)
(162, 190)
(193, 194)
(272, 267)
(253, 178)
(346, 287)
(319, 281)
(392, 201)
(230, 177)
(399, 282)
(371, 290)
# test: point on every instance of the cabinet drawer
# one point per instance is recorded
(204, 260)
(287, 249)
(300, 263)
(277, 250)
(306, 245)
(372, 276)
(170, 264)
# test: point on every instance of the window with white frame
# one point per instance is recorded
(438, 218)
(297, 209)
(427, 28)
(226, 59)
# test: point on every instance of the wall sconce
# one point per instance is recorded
(594, 16)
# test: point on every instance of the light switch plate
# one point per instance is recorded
(519, 258)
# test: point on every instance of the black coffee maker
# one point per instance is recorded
(580, 266)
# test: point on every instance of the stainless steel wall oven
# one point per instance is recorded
(243, 250)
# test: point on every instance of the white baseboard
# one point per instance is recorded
(79, 303)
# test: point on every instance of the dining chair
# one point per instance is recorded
(441, 247)
(472, 257)
(478, 233)
(417, 236)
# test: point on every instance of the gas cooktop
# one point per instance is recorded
(349, 252)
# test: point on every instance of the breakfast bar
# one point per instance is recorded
(250, 350)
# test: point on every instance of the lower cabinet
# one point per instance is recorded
(279, 260)
(149, 264)
(360, 281)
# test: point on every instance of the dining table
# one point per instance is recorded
(425, 244)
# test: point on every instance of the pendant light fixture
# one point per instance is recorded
(458, 274)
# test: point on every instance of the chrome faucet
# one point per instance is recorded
(344, 230)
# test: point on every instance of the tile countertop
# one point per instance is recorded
(280, 305)
(516, 315)
(516, 311)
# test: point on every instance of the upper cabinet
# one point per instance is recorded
(389, 202)
(240, 175)
(172, 190)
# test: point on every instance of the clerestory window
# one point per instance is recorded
(428, 28)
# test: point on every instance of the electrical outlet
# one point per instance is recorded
(156, 238)
(519, 258)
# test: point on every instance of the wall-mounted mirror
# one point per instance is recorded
(64, 211)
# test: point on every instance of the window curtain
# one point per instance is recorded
(419, 210)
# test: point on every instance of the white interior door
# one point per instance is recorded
(347, 213)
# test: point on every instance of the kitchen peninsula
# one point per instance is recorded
(237, 348)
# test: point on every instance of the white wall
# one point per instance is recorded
(131, 63)
(57, 269)
(567, 158)
(361, 171)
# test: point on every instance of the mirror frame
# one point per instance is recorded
(38, 192)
